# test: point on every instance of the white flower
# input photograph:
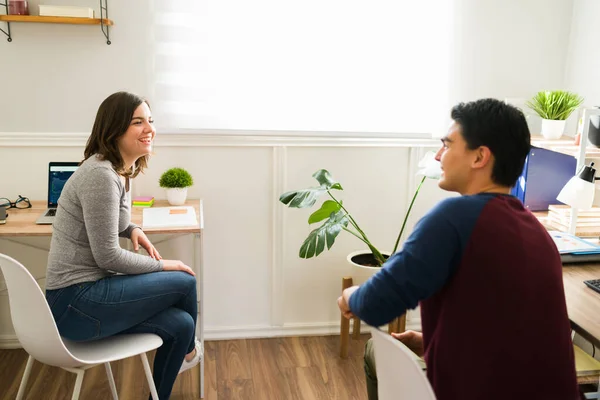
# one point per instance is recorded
(429, 166)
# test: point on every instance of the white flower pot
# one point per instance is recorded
(176, 196)
(360, 273)
(553, 129)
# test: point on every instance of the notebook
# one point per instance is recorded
(167, 217)
(58, 174)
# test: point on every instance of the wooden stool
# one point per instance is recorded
(398, 325)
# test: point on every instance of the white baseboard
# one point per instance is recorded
(298, 329)
(9, 342)
(252, 332)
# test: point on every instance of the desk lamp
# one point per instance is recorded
(579, 190)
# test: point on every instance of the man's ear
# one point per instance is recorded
(483, 157)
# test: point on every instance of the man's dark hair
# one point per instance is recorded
(500, 127)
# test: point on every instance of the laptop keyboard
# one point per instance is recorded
(51, 212)
(594, 284)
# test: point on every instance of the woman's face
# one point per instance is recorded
(137, 140)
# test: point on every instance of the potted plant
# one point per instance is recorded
(337, 218)
(176, 181)
(554, 107)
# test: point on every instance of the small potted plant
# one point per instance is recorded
(554, 107)
(176, 181)
(337, 218)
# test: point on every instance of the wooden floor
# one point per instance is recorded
(258, 369)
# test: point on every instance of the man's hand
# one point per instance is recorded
(343, 302)
(139, 238)
(411, 339)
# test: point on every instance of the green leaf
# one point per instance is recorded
(325, 211)
(555, 104)
(301, 198)
(326, 180)
(307, 197)
(323, 235)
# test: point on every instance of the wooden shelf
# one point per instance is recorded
(564, 145)
(55, 20)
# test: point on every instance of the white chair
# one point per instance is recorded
(398, 374)
(37, 332)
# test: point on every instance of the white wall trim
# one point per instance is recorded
(79, 139)
(279, 173)
(253, 332)
(298, 329)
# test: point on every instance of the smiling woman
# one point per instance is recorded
(88, 298)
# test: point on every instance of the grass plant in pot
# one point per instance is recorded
(176, 181)
(554, 107)
(336, 217)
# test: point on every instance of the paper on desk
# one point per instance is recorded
(571, 244)
(166, 217)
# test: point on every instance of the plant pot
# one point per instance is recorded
(553, 129)
(176, 196)
(363, 265)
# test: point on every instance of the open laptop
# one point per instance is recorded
(58, 174)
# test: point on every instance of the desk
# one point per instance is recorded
(21, 223)
(583, 303)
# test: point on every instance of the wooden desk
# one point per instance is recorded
(583, 303)
(21, 223)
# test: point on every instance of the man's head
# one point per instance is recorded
(485, 147)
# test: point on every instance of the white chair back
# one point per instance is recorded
(398, 374)
(31, 316)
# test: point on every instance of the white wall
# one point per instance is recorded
(509, 48)
(55, 76)
(583, 61)
(255, 283)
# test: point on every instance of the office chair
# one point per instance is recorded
(37, 332)
(398, 374)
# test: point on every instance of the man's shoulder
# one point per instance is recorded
(460, 204)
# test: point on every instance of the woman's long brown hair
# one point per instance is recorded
(112, 121)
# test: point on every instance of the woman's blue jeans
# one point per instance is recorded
(163, 303)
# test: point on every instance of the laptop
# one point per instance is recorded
(58, 174)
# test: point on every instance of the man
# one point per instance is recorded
(486, 273)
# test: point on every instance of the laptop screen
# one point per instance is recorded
(59, 173)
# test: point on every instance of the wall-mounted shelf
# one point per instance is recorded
(55, 20)
(103, 21)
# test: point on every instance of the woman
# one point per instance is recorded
(88, 299)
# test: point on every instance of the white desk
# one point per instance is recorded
(21, 223)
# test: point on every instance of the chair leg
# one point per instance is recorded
(111, 381)
(78, 383)
(345, 323)
(25, 378)
(148, 372)
(356, 328)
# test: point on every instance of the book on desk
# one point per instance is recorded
(167, 217)
(574, 249)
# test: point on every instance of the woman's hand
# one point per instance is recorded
(139, 238)
(177, 265)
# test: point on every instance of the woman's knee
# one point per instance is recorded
(182, 280)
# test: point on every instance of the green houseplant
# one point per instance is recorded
(337, 218)
(554, 107)
(176, 181)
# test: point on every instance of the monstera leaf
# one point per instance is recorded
(325, 234)
(307, 197)
(327, 208)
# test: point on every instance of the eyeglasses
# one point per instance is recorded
(21, 202)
